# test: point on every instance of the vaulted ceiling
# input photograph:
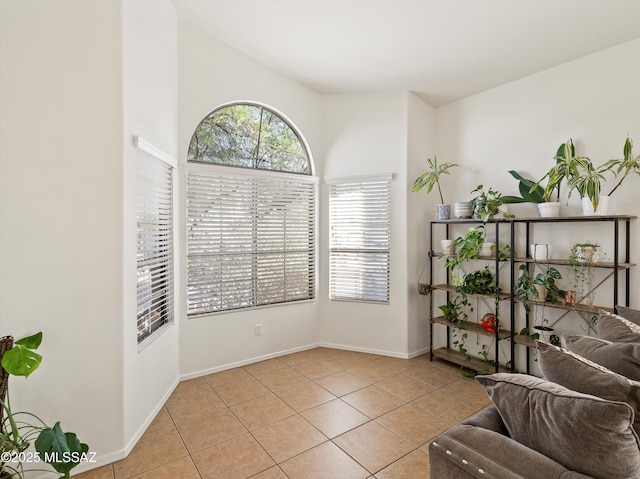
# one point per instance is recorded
(442, 50)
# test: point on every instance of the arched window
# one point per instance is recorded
(249, 136)
(250, 230)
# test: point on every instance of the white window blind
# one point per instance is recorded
(359, 215)
(250, 239)
(154, 214)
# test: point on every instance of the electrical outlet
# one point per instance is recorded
(258, 329)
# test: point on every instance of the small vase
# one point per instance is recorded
(601, 210)
(443, 212)
(549, 209)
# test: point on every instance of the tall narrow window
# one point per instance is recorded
(154, 215)
(250, 233)
(359, 216)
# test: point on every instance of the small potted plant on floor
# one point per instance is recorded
(63, 451)
(431, 178)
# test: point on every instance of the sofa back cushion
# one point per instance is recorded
(632, 315)
(617, 329)
(579, 374)
(584, 433)
(622, 358)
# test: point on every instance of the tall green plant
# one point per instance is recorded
(63, 451)
(431, 177)
(624, 167)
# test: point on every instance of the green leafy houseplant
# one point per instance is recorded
(63, 451)
(624, 167)
(587, 180)
(466, 247)
(431, 177)
(478, 282)
(582, 258)
(530, 192)
(486, 204)
(565, 166)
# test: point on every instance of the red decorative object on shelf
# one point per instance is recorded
(489, 322)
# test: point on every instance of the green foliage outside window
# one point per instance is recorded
(249, 136)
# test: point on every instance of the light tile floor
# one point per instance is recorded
(317, 414)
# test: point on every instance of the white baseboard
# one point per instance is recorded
(244, 362)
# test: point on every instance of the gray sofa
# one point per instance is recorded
(480, 447)
(580, 420)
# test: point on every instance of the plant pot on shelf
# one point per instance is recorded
(547, 335)
(587, 254)
(601, 210)
(540, 252)
(462, 210)
(443, 212)
(549, 209)
(541, 292)
(448, 246)
(487, 249)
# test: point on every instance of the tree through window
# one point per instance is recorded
(249, 136)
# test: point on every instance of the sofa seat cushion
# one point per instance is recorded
(579, 374)
(582, 432)
(622, 358)
(617, 329)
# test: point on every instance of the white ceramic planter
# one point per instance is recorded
(540, 252)
(603, 206)
(487, 249)
(448, 246)
(550, 209)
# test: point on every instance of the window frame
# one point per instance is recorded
(358, 182)
(274, 112)
(153, 153)
(306, 262)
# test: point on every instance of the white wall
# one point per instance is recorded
(421, 144)
(594, 100)
(150, 101)
(61, 210)
(365, 135)
(212, 74)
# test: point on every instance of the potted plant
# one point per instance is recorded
(431, 178)
(565, 163)
(587, 180)
(465, 247)
(530, 191)
(624, 167)
(583, 257)
(486, 204)
(478, 282)
(63, 451)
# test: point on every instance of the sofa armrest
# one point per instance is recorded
(470, 451)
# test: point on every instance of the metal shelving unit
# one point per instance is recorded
(620, 273)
